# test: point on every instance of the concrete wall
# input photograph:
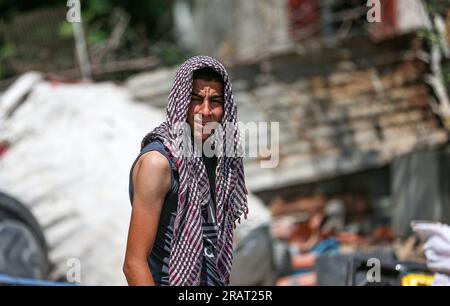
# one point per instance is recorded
(232, 30)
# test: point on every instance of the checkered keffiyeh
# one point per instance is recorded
(231, 194)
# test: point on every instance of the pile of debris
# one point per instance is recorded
(67, 153)
(335, 241)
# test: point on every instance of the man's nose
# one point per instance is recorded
(205, 108)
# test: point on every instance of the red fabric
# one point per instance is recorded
(304, 18)
(3, 148)
(387, 28)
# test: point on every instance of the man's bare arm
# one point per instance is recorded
(151, 182)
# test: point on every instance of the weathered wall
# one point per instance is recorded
(232, 30)
(343, 109)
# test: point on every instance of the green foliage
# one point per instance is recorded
(65, 30)
(437, 6)
(431, 37)
(6, 50)
(149, 28)
(92, 9)
(446, 73)
(153, 15)
(171, 55)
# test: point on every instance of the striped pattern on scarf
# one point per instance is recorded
(231, 193)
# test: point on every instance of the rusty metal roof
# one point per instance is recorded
(340, 110)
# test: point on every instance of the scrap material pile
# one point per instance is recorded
(68, 149)
(335, 242)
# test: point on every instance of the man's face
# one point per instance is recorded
(206, 107)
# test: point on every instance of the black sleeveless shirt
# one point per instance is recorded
(158, 259)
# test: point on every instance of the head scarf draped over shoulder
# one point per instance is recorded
(231, 194)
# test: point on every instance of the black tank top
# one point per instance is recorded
(158, 259)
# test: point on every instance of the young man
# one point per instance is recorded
(185, 203)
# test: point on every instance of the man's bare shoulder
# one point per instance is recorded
(152, 170)
(154, 160)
